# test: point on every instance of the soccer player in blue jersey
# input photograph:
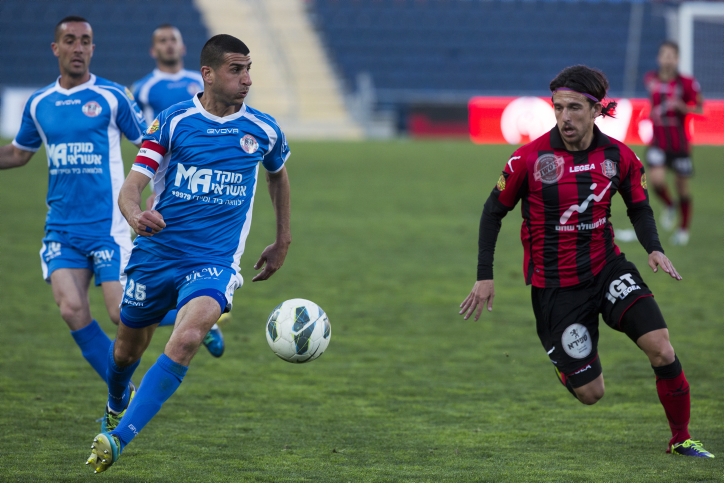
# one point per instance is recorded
(203, 156)
(80, 119)
(169, 84)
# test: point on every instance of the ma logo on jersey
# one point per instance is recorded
(208, 180)
(620, 288)
(63, 154)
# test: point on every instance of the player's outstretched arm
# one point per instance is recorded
(13, 157)
(658, 259)
(145, 223)
(483, 293)
(272, 258)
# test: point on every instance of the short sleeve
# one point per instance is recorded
(633, 187)
(278, 154)
(154, 147)
(129, 118)
(513, 182)
(28, 138)
(692, 91)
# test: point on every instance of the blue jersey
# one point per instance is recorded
(81, 129)
(161, 90)
(205, 171)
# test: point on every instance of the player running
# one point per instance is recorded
(673, 98)
(80, 118)
(566, 180)
(205, 156)
(169, 84)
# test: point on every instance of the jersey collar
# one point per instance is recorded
(159, 74)
(211, 117)
(75, 89)
(599, 139)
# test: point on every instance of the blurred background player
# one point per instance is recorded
(673, 97)
(169, 84)
(80, 118)
(566, 179)
(206, 185)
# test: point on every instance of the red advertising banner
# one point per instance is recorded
(517, 120)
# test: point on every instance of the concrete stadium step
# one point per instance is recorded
(292, 78)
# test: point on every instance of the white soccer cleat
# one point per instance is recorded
(668, 218)
(680, 238)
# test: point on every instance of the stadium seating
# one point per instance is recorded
(122, 34)
(483, 47)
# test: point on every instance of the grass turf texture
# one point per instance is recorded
(385, 240)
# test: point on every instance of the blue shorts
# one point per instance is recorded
(153, 285)
(106, 257)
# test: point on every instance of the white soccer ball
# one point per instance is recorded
(298, 331)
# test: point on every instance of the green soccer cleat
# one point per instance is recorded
(105, 450)
(690, 448)
(110, 421)
(214, 341)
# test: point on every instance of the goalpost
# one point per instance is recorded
(701, 44)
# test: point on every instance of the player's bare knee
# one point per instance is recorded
(126, 354)
(662, 355)
(115, 316)
(74, 312)
(590, 397)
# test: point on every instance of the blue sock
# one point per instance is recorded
(118, 379)
(169, 319)
(159, 383)
(93, 343)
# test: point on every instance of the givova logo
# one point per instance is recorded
(63, 154)
(621, 287)
(208, 180)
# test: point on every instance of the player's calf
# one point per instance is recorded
(195, 319)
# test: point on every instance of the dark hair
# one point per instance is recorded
(162, 26)
(585, 80)
(70, 18)
(670, 44)
(212, 55)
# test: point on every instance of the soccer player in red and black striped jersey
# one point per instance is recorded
(673, 98)
(565, 180)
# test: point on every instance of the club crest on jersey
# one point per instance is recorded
(609, 168)
(249, 144)
(548, 168)
(501, 183)
(92, 109)
(130, 94)
(153, 128)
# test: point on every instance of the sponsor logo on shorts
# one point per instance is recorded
(548, 168)
(92, 109)
(249, 144)
(609, 168)
(576, 341)
(52, 251)
(208, 272)
(583, 369)
(102, 257)
(621, 287)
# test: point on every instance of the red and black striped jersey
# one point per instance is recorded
(566, 204)
(668, 123)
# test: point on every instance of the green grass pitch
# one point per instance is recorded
(385, 240)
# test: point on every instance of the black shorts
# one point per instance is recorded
(567, 318)
(680, 163)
